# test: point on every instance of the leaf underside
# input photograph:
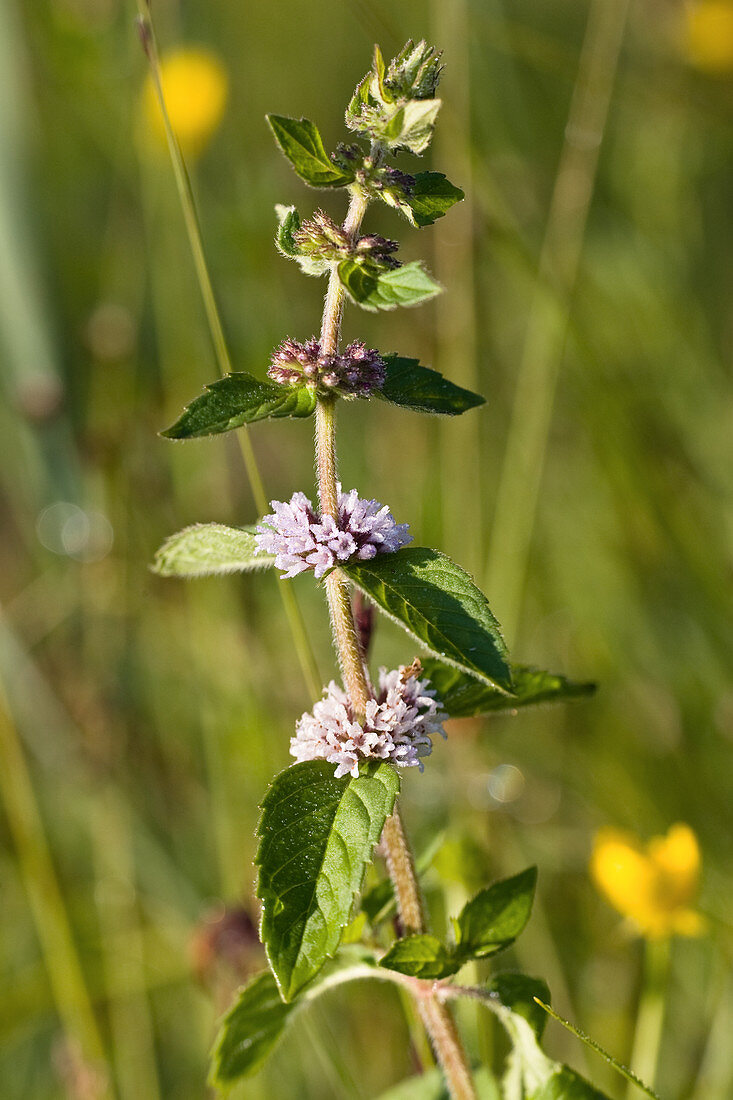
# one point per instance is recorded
(317, 835)
(463, 696)
(437, 603)
(208, 549)
(408, 285)
(238, 399)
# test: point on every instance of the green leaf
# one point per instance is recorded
(420, 956)
(302, 144)
(206, 549)
(238, 399)
(249, 1031)
(432, 1086)
(424, 390)
(494, 918)
(520, 993)
(438, 604)
(253, 1025)
(408, 285)
(568, 1085)
(288, 222)
(432, 197)
(463, 697)
(317, 835)
(618, 1066)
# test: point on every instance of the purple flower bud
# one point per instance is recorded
(355, 373)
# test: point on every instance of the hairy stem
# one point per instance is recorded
(435, 1015)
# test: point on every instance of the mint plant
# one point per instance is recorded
(326, 816)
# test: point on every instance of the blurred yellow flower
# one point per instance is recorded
(195, 87)
(655, 884)
(708, 35)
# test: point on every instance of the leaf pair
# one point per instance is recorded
(487, 924)
(239, 399)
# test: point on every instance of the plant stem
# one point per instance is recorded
(650, 1015)
(436, 1017)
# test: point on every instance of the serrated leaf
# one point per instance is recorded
(618, 1066)
(568, 1085)
(249, 1031)
(420, 956)
(493, 919)
(301, 142)
(408, 285)
(432, 1086)
(253, 1025)
(238, 399)
(438, 604)
(422, 389)
(520, 993)
(206, 549)
(317, 835)
(432, 197)
(463, 696)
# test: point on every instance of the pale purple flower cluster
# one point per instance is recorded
(399, 725)
(357, 372)
(301, 539)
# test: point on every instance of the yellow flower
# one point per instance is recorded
(654, 885)
(195, 88)
(708, 35)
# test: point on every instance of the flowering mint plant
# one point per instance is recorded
(336, 808)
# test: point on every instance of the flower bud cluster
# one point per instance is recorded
(398, 725)
(396, 107)
(301, 539)
(356, 372)
(415, 72)
(320, 238)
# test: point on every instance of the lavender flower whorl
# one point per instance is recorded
(301, 539)
(398, 725)
(355, 373)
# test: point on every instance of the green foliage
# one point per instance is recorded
(520, 993)
(618, 1066)
(288, 225)
(493, 919)
(566, 1084)
(463, 697)
(408, 285)
(249, 1031)
(488, 923)
(253, 1025)
(421, 956)
(317, 835)
(439, 605)
(206, 549)
(430, 197)
(302, 144)
(238, 399)
(422, 389)
(395, 106)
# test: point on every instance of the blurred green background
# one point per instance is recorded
(143, 717)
